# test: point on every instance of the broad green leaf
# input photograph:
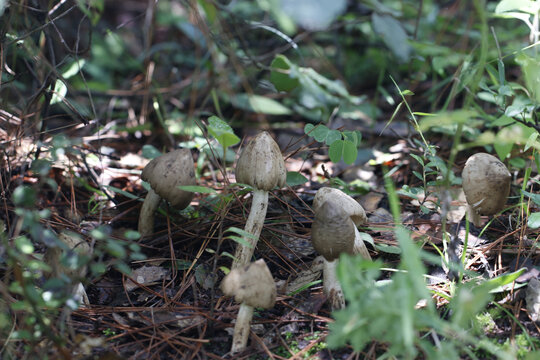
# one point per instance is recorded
(294, 178)
(331, 136)
(534, 220)
(313, 15)
(531, 74)
(393, 35)
(281, 75)
(223, 133)
(530, 141)
(343, 149)
(259, 104)
(350, 152)
(319, 132)
(527, 6)
(150, 152)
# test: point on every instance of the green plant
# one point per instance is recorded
(400, 311)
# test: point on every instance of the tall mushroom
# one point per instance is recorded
(486, 184)
(261, 166)
(252, 286)
(165, 174)
(353, 209)
(332, 234)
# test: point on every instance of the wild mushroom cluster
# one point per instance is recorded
(260, 166)
(486, 184)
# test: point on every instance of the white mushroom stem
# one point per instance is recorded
(331, 286)
(146, 216)
(473, 215)
(359, 246)
(242, 328)
(254, 225)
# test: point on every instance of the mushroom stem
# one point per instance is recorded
(146, 216)
(359, 246)
(473, 215)
(254, 225)
(242, 328)
(331, 286)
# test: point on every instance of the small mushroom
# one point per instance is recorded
(261, 166)
(486, 184)
(353, 209)
(332, 234)
(252, 286)
(53, 257)
(165, 174)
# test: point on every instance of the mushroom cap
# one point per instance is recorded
(261, 164)
(332, 231)
(167, 172)
(352, 207)
(486, 183)
(252, 284)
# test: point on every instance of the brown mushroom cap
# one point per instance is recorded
(486, 183)
(355, 211)
(252, 284)
(169, 171)
(261, 164)
(332, 231)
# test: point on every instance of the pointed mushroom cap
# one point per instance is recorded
(168, 171)
(332, 231)
(354, 210)
(252, 284)
(261, 164)
(486, 183)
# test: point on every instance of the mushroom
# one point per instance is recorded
(261, 166)
(165, 174)
(486, 184)
(252, 286)
(53, 257)
(332, 234)
(353, 209)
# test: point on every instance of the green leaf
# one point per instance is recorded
(393, 35)
(281, 75)
(343, 149)
(223, 133)
(531, 74)
(123, 268)
(531, 140)
(150, 152)
(313, 15)
(24, 245)
(259, 104)
(534, 220)
(197, 189)
(389, 249)
(331, 136)
(25, 196)
(319, 132)
(115, 249)
(294, 178)
(121, 192)
(499, 283)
